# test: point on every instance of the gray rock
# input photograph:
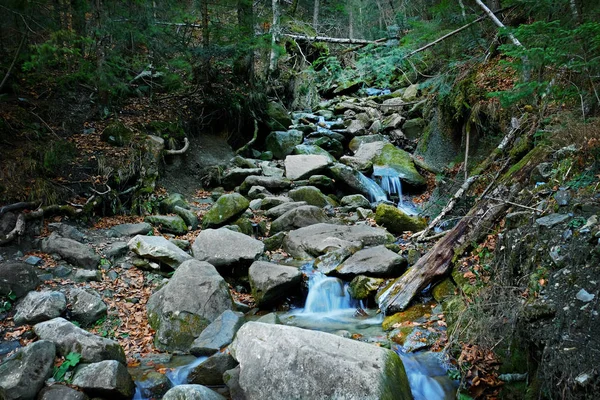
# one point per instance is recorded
(332, 259)
(72, 251)
(298, 217)
(281, 209)
(108, 379)
(232, 380)
(194, 297)
(584, 296)
(17, 278)
(354, 201)
(116, 250)
(315, 240)
(304, 166)
(269, 170)
(270, 282)
(274, 242)
(284, 362)
(312, 196)
(23, 375)
(142, 228)
(313, 150)
(274, 201)
(192, 392)
(60, 392)
(282, 143)
(86, 308)
(168, 204)
(270, 318)
(69, 338)
(258, 192)
(158, 248)
(188, 216)
(33, 260)
(271, 183)
(550, 220)
(223, 248)
(226, 209)
(168, 223)
(40, 306)
(562, 197)
(358, 141)
(211, 371)
(152, 384)
(218, 334)
(357, 163)
(67, 231)
(356, 127)
(235, 176)
(84, 275)
(375, 261)
(393, 121)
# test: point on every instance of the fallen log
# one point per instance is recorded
(332, 39)
(477, 223)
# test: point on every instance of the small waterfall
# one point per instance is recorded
(326, 295)
(390, 182)
(374, 192)
(179, 375)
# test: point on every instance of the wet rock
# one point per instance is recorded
(86, 307)
(303, 166)
(142, 228)
(312, 241)
(168, 223)
(354, 201)
(551, 220)
(158, 248)
(40, 306)
(194, 297)
(343, 368)
(108, 379)
(153, 384)
(397, 221)
(192, 392)
(278, 116)
(270, 318)
(23, 375)
(211, 371)
(282, 143)
(227, 208)
(218, 334)
(224, 248)
(72, 251)
(69, 338)
(400, 161)
(375, 261)
(420, 339)
(17, 278)
(443, 290)
(313, 150)
(271, 183)
(235, 176)
(415, 313)
(354, 181)
(329, 261)
(60, 392)
(270, 282)
(363, 287)
(298, 217)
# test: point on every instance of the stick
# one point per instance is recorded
(515, 204)
(12, 65)
(180, 151)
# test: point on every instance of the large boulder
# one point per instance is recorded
(284, 362)
(281, 209)
(194, 297)
(375, 261)
(192, 392)
(304, 166)
(354, 181)
(298, 217)
(108, 379)
(400, 161)
(314, 240)
(270, 282)
(397, 221)
(225, 248)
(69, 338)
(24, 374)
(218, 334)
(282, 143)
(309, 149)
(18, 278)
(76, 253)
(353, 201)
(168, 223)
(278, 116)
(210, 372)
(40, 306)
(158, 248)
(235, 176)
(86, 307)
(272, 183)
(227, 208)
(312, 196)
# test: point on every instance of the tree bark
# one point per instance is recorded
(333, 40)
(496, 21)
(275, 32)
(316, 15)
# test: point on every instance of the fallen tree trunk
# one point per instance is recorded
(471, 228)
(333, 39)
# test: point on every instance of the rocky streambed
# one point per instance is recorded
(305, 233)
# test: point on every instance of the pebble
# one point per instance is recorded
(33, 260)
(584, 296)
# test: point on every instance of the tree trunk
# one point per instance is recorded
(275, 32)
(245, 22)
(332, 39)
(316, 15)
(350, 22)
(496, 21)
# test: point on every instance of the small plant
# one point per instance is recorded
(63, 372)
(6, 303)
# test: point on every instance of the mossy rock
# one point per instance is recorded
(282, 143)
(167, 223)
(166, 129)
(414, 128)
(453, 308)
(396, 221)
(274, 242)
(322, 182)
(313, 150)
(362, 287)
(312, 196)
(278, 116)
(400, 161)
(168, 204)
(117, 134)
(357, 141)
(411, 314)
(463, 283)
(245, 226)
(227, 208)
(443, 290)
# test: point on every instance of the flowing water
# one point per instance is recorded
(389, 180)
(376, 193)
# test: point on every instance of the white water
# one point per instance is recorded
(326, 295)
(179, 375)
(374, 191)
(389, 180)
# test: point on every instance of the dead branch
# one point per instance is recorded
(331, 39)
(24, 205)
(18, 230)
(186, 146)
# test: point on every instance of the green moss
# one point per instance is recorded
(401, 162)
(396, 221)
(170, 224)
(312, 196)
(394, 380)
(411, 314)
(227, 208)
(117, 134)
(361, 287)
(443, 290)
